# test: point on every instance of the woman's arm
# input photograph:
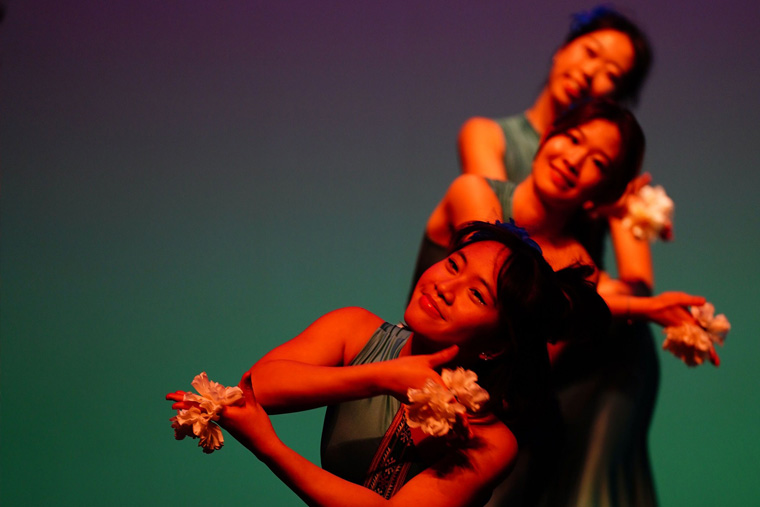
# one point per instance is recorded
(666, 309)
(633, 258)
(310, 370)
(482, 147)
(452, 486)
(468, 198)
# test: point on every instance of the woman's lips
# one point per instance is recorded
(562, 179)
(574, 89)
(429, 306)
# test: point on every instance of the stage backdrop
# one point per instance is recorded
(187, 184)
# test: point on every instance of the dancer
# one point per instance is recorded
(607, 392)
(604, 56)
(490, 306)
(586, 159)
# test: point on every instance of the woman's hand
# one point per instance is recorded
(403, 373)
(247, 421)
(671, 309)
(619, 208)
(179, 398)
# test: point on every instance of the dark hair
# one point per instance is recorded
(628, 162)
(536, 306)
(604, 17)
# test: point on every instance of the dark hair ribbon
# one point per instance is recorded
(514, 229)
(584, 18)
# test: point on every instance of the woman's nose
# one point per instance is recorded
(446, 291)
(574, 159)
(590, 68)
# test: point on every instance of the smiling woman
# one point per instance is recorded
(489, 307)
(603, 56)
(456, 298)
(586, 158)
(592, 65)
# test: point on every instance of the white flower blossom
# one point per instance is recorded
(433, 408)
(688, 342)
(693, 343)
(717, 326)
(649, 213)
(197, 421)
(436, 408)
(463, 383)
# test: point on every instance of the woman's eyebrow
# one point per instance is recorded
(601, 48)
(596, 41)
(489, 288)
(482, 280)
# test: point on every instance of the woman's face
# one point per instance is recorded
(454, 301)
(593, 65)
(570, 166)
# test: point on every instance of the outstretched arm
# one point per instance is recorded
(666, 309)
(482, 147)
(311, 369)
(453, 487)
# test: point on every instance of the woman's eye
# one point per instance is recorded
(600, 165)
(573, 138)
(591, 52)
(453, 265)
(478, 296)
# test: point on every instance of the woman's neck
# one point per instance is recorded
(532, 213)
(543, 112)
(418, 345)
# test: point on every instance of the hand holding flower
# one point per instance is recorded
(438, 409)
(247, 421)
(672, 308)
(694, 342)
(196, 413)
(619, 208)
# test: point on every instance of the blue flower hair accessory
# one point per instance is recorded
(584, 18)
(521, 233)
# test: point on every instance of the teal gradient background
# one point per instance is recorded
(187, 184)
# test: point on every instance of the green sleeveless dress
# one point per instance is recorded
(354, 430)
(522, 144)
